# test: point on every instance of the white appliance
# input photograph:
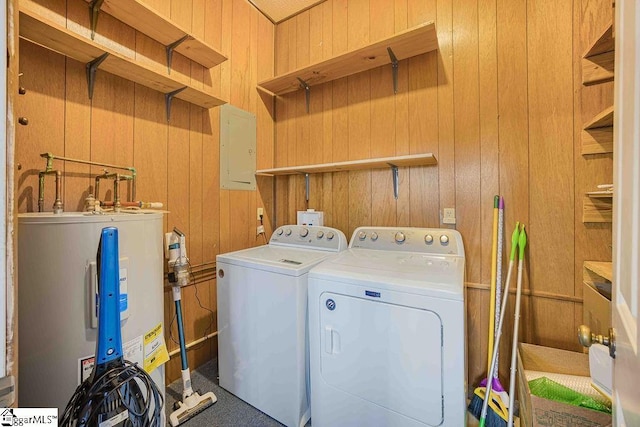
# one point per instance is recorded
(262, 319)
(387, 331)
(57, 297)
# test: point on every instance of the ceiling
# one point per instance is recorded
(279, 10)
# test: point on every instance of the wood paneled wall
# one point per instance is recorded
(500, 104)
(125, 124)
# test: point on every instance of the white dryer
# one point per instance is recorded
(387, 331)
(263, 353)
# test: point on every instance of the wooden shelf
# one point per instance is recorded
(600, 194)
(601, 268)
(597, 136)
(409, 43)
(597, 209)
(604, 43)
(379, 163)
(146, 20)
(599, 60)
(43, 32)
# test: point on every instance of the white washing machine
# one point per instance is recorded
(263, 353)
(387, 331)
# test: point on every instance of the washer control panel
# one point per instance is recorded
(439, 241)
(310, 237)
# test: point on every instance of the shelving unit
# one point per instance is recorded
(151, 23)
(598, 61)
(406, 44)
(597, 134)
(600, 268)
(596, 289)
(393, 163)
(43, 32)
(597, 208)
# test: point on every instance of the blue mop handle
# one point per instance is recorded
(183, 347)
(109, 346)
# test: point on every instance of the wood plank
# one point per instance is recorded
(601, 268)
(378, 163)
(597, 141)
(598, 69)
(406, 44)
(597, 209)
(604, 43)
(46, 33)
(600, 120)
(152, 23)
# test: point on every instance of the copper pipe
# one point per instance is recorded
(58, 206)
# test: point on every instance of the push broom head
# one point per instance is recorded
(192, 406)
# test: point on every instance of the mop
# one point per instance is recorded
(516, 323)
(480, 403)
(192, 402)
(117, 393)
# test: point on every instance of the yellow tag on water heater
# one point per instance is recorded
(155, 349)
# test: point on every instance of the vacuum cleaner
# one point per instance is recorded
(118, 392)
(192, 402)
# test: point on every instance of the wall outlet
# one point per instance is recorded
(259, 230)
(449, 216)
(260, 213)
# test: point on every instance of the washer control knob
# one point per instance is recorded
(320, 234)
(330, 235)
(374, 236)
(362, 235)
(304, 232)
(279, 232)
(288, 232)
(428, 239)
(400, 237)
(444, 239)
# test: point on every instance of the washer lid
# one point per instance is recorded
(283, 260)
(419, 273)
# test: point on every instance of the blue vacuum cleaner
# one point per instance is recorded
(118, 392)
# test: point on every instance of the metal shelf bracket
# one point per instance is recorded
(170, 48)
(168, 97)
(395, 175)
(394, 72)
(307, 92)
(91, 72)
(94, 13)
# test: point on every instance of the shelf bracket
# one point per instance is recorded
(91, 71)
(395, 175)
(170, 48)
(307, 91)
(168, 97)
(94, 12)
(394, 72)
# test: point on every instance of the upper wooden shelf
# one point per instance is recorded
(46, 33)
(148, 21)
(379, 163)
(604, 43)
(601, 268)
(411, 42)
(602, 119)
(598, 62)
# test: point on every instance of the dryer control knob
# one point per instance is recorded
(428, 239)
(330, 235)
(400, 237)
(320, 234)
(374, 236)
(362, 235)
(288, 232)
(444, 239)
(304, 232)
(279, 231)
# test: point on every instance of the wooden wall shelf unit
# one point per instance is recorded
(597, 134)
(406, 44)
(151, 23)
(598, 61)
(603, 269)
(597, 207)
(597, 279)
(43, 32)
(393, 163)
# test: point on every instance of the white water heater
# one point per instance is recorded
(57, 288)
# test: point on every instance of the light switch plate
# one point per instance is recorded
(449, 216)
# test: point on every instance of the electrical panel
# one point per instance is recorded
(237, 149)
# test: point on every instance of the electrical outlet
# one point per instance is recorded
(449, 216)
(259, 230)
(260, 213)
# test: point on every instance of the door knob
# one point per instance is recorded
(587, 338)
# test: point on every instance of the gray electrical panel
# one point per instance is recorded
(237, 149)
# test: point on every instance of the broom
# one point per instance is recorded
(479, 403)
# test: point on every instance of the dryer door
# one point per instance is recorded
(387, 354)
